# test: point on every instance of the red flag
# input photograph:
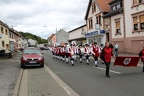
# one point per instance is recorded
(126, 61)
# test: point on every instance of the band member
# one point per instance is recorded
(67, 52)
(63, 53)
(141, 54)
(79, 53)
(95, 52)
(72, 54)
(101, 47)
(74, 48)
(87, 53)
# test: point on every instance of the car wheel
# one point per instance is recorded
(22, 65)
(42, 65)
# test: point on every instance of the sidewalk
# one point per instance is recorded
(41, 82)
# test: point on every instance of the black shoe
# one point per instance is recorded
(108, 76)
(67, 62)
(87, 63)
(75, 60)
(72, 64)
(96, 65)
(80, 61)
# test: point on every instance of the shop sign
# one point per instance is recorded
(94, 33)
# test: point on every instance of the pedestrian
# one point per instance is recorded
(95, 53)
(141, 54)
(116, 50)
(107, 53)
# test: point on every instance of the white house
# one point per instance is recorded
(134, 25)
(94, 21)
(32, 42)
(78, 35)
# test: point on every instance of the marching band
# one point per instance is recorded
(71, 52)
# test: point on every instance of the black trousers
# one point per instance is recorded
(107, 68)
(95, 58)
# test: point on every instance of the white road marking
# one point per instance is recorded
(70, 91)
(109, 70)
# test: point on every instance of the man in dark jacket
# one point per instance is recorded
(141, 54)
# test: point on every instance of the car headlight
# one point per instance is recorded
(24, 58)
(40, 58)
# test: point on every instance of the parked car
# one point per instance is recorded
(32, 57)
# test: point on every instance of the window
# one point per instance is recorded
(141, 22)
(118, 6)
(98, 19)
(3, 44)
(136, 2)
(141, 1)
(135, 23)
(2, 30)
(6, 32)
(7, 46)
(118, 27)
(93, 8)
(113, 8)
(90, 23)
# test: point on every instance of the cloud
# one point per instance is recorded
(32, 15)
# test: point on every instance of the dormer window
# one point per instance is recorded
(93, 8)
(118, 6)
(113, 8)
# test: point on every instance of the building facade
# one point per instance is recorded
(134, 25)
(95, 23)
(114, 23)
(4, 36)
(78, 35)
(61, 36)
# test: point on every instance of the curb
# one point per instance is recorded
(18, 83)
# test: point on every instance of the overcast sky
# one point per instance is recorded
(43, 17)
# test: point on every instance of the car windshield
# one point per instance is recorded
(32, 52)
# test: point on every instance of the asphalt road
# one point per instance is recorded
(88, 80)
(9, 71)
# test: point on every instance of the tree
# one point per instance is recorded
(28, 35)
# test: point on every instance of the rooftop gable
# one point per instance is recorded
(103, 5)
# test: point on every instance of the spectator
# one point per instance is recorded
(116, 50)
(141, 54)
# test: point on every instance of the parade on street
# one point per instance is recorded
(71, 48)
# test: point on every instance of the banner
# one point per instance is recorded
(126, 61)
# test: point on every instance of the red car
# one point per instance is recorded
(32, 57)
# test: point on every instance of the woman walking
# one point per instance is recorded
(107, 53)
